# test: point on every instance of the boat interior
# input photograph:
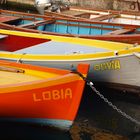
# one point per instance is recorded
(28, 45)
(17, 74)
(109, 16)
(12, 43)
(7, 77)
(22, 43)
(57, 24)
(78, 13)
(60, 48)
(24, 20)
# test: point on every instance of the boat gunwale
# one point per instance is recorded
(63, 79)
(75, 57)
(34, 67)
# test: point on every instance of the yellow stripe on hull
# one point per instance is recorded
(71, 57)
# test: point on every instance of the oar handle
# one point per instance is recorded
(4, 68)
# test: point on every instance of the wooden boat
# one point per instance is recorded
(113, 16)
(115, 65)
(68, 27)
(124, 38)
(40, 95)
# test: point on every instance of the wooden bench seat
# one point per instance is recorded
(36, 23)
(105, 17)
(120, 31)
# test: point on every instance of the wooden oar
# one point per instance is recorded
(4, 68)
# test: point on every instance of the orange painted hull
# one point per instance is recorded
(50, 101)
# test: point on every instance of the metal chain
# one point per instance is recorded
(111, 104)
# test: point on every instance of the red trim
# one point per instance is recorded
(13, 43)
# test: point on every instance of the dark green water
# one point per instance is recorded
(93, 113)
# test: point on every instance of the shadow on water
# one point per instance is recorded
(95, 113)
(95, 121)
(17, 131)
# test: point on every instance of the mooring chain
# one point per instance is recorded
(111, 104)
(106, 100)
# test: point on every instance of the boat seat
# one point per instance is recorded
(120, 31)
(36, 23)
(3, 36)
(105, 17)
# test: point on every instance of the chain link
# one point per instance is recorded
(111, 104)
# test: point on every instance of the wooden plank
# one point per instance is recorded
(120, 31)
(5, 19)
(104, 17)
(36, 23)
(3, 68)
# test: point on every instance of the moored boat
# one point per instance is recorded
(54, 25)
(111, 63)
(113, 16)
(123, 38)
(40, 95)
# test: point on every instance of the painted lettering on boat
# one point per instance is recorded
(61, 94)
(110, 65)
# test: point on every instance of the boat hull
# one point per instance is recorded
(76, 28)
(51, 103)
(45, 106)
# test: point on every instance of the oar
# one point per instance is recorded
(4, 68)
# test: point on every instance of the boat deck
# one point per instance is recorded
(60, 48)
(12, 75)
(13, 78)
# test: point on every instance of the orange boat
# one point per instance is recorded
(40, 95)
